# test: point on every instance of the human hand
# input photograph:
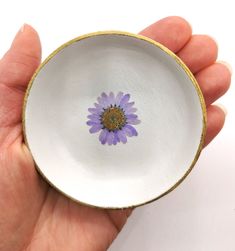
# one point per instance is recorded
(33, 215)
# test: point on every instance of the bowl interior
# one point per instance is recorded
(122, 175)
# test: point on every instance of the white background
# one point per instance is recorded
(200, 214)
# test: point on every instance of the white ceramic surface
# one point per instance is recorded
(168, 104)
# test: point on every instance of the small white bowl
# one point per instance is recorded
(170, 107)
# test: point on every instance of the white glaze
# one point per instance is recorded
(74, 161)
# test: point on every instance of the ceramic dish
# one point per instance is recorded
(114, 120)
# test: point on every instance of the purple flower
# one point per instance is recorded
(114, 117)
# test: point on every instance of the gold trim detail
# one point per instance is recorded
(166, 50)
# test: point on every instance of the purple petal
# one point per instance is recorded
(122, 136)
(110, 138)
(92, 123)
(93, 116)
(124, 100)
(130, 110)
(104, 95)
(131, 116)
(133, 121)
(103, 100)
(100, 101)
(116, 139)
(118, 98)
(130, 130)
(99, 107)
(128, 105)
(95, 128)
(103, 136)
(111, 98)
(94, 110)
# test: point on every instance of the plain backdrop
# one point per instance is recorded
(200, 214)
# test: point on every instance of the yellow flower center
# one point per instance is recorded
(113, 118)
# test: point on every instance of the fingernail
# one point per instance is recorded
(229, 67)
(222, 107)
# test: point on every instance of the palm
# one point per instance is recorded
(33, 215)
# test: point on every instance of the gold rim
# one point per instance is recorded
(170, 53)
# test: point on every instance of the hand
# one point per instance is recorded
(34, 216)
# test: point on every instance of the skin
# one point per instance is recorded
(34, 216)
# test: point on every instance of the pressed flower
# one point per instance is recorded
(114, 117)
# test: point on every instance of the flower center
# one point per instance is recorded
(113, 118)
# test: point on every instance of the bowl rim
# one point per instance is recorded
(159, 46)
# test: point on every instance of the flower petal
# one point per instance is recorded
(133, 121)
(95, 128)
(110, 138)
(103, 101)
(130, 110)
(93, 116)
(116, 139)
(122, 136)
(131, 116)
(103, 136)
(104, 95)
(111, 99)
(92, 123)
(124, 100)
(100, 101)
(128, 105)
(98, 106)
(118, 98)
(94, 110)
(130, 130)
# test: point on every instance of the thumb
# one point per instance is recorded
(20, 62)
(16, 68)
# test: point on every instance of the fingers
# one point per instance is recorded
(200, 52)
(173, 32)
(119, 217)
(19, 63)
(214, 81)
(215, 122)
